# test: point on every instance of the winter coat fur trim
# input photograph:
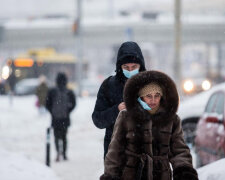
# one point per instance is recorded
(169, 101)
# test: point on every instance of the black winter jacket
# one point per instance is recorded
(110, 94)
(60, 123)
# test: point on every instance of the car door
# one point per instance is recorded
(202, 133)
(210, 134)
(202, 125)
(218, 131)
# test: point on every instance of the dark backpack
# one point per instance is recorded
(60, 104)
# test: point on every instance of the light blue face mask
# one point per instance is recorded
(144, 104)
(129, 74)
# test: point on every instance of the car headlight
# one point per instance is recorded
(206, 85)
(5, 72)
(188, 85)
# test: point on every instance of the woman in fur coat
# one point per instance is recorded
(148, 136)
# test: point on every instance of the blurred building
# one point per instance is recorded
(104, 29)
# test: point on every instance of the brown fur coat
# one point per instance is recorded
(144, 145)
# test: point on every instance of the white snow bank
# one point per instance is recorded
(213, 171)
(16, 166)
(23, 131)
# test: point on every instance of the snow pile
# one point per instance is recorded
(23, 131)
(16, 166)
(213, 171)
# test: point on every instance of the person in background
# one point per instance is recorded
(11, 81)
(60, 102)
(109, 103)
(148, 136)
(41, 93)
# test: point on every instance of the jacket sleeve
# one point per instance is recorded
(180, 156)
(115, 158)
(48, 102)
(72, 103)
(104, 115)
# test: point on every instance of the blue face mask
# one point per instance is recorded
(144, 104)
(129, 74)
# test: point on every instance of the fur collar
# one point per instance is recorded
(169, 102)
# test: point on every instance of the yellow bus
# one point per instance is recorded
(36, 62)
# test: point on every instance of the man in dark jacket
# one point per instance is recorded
(109, 101)
(60, 102)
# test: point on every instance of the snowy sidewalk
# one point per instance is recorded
(22, 130)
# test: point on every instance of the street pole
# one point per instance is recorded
(79, 46)
(1, 62)
(48, 140)
(1, 32)
(111, 8)
(177, 44)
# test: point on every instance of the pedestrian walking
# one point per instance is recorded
(11, 81)
(148, 136)
(41, 93)
(130, 61)
(60, 102)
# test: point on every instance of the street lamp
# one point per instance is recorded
(79, 45)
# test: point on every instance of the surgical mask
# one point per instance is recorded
(129, 74)
(144, 104)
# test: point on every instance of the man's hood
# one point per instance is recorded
(129, 52)
(61, 80)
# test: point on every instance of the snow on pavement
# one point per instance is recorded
(16, 166)
(213, 171)
(23, 130)
(23, 135)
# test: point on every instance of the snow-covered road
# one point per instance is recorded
(23, 131)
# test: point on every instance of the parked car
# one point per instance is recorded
(190, 111)
(210, 131)
(196, 85)
(26, 86)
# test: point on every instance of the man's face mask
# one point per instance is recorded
(130, 69)
(129, 74)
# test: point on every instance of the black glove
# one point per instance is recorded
(108, 177)
(185, 173)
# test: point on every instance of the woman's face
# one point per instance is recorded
(153, 100)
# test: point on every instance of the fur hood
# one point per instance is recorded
(169, 101)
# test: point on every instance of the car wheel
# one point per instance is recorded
(189, 129)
